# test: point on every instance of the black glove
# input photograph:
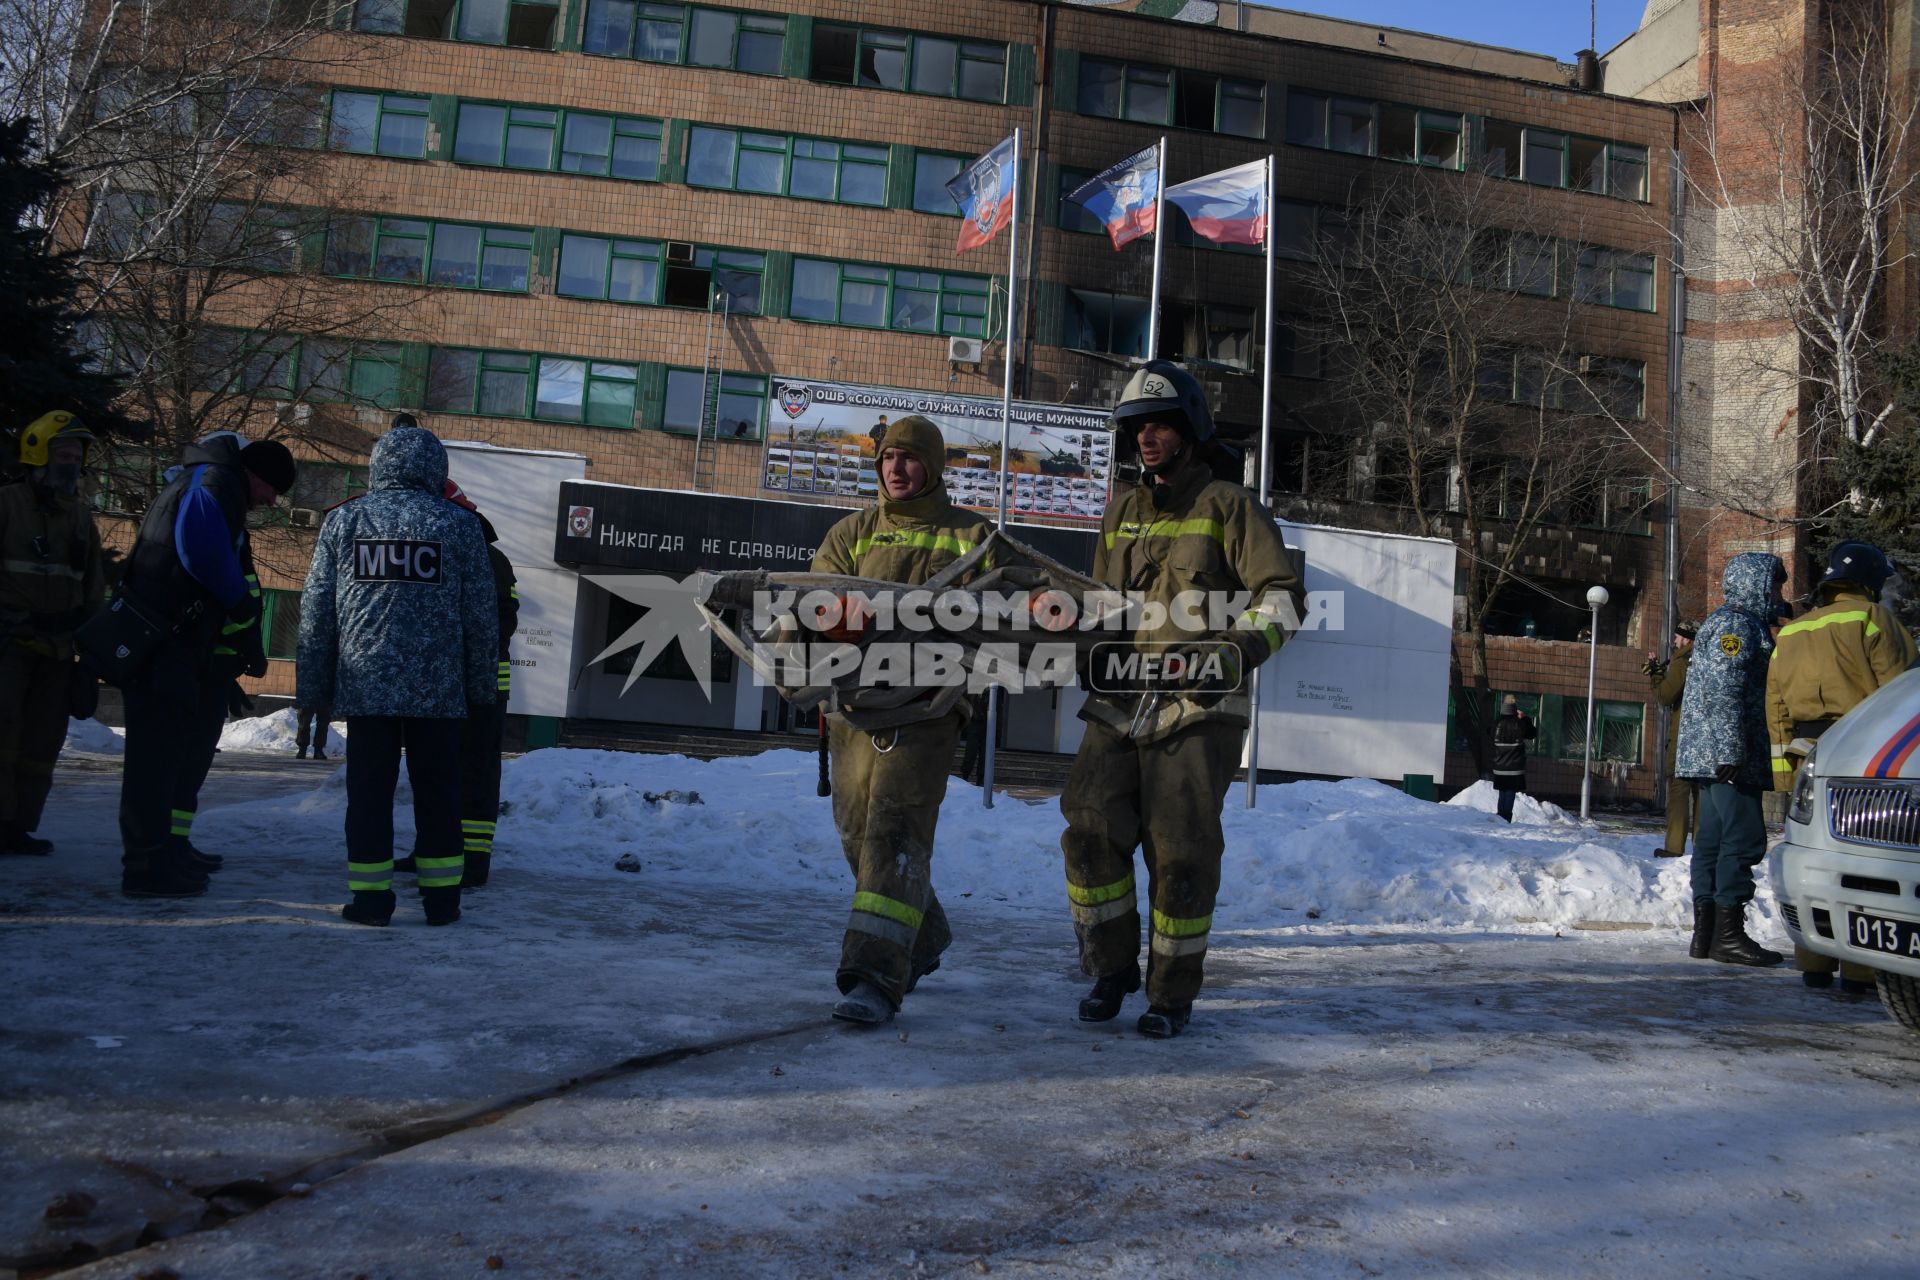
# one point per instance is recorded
(1726, 773)
(242, 634)
(246, 610)
(83, 691)
(239, 705)
(1207, 670)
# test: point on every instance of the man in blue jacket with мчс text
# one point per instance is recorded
(398, 635)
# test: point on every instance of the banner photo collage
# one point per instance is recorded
(825, 438)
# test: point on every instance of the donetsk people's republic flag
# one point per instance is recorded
(984, 192)
(1229, 207)
(1122, 196)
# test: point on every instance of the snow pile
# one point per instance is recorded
(275, 733)
(1482, 796)
(91, 735)
(1352, 853)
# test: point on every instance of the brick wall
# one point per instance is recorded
(1559, 668)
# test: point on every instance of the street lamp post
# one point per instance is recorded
(1596, 596)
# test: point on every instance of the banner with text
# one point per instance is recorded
(824, 438)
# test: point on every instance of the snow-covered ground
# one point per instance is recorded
(1431, 1043)
(273, 732)
(95, 738)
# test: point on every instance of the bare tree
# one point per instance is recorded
(1451, 320)
(214, 229)
(1798, 219)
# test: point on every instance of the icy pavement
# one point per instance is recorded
(1415, 1080)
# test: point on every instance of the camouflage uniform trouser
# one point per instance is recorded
(1683, 814)
(1164, 797)
(886, 803)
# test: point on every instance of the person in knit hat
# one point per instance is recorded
(191, 568)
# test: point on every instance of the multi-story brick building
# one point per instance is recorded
(627, 222)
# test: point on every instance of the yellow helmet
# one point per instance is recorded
(44, 430)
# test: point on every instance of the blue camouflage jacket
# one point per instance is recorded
(1723, 713)
(398, 614)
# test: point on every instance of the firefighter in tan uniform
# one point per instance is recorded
(1156, 760)
(888, 783)
(1825, 663)
(50, 582)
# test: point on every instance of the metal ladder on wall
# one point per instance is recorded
(706, 451)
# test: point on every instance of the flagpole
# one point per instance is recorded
(1159, 239)
(1006, 449)
(1260, 454)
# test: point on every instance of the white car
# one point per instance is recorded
(1848, 873)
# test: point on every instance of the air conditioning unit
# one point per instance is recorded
(680, 251)
(303, 518)
(965, 350)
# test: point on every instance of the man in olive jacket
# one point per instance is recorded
(1159, 752)
(887, 785)
(1669, 681)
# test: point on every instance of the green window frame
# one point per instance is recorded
(1115, 90)
(932, 170)
(1555, 158)
(1518, 263)
(604, 269)
(1615, 278)
(1183, 99)
(1333, 122)
(685, 35)
(458, 255)
(1618, 386)
(744, 394)
(377, 124)
(1422, 136)
(904, 299)
(803, 168)
(280, 619)
(522, 136)
(339, 371)
(908, 62)
(738, 273)
(520, 384)
(240, 237)
(626, 147)
(593, 393)
(486, 383)
(840, 172)
(520, 24)
(1618, 730)
(737, 160)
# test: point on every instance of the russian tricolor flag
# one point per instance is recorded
(984, 192)
(1122, 196)
(1229, 207)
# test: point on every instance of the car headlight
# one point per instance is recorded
(1800, 807)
